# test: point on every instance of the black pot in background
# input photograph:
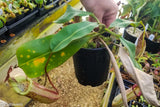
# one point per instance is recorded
(129, 37)
(91, 66)
(151, 46)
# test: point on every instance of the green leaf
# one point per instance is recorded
(3, 19)
(136, 5)
(70, 13)
(146, 10)
(123, 23)
(126, 9)
(1, 24)
(32, 56)
(70, 33)
(131, 49)
(155, 8)
(39, 2)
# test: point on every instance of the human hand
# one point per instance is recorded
(104, 10)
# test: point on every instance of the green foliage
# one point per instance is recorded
(123, 23)
(70, 13)
(32, 56)
(94, 42)
(40, 2)
(136, 5)
(145, 13)
(1, 24)
(126, 9)
(131, 49)
(70, 33)
(155, 8)
(155, 58)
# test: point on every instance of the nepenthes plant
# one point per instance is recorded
(37, 57)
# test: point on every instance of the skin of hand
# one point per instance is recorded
(104, 10)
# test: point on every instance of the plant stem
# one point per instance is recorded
(153, 26)
(48, 75)
(112, 33)
(118, 74)
(92, 15)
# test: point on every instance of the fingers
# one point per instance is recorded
(99, 14)
(108, 19)
(110, 15)
(104, 10)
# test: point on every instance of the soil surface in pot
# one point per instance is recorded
(137, 32)
(72, 94)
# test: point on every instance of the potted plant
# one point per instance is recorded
(146, 12)
(91, 63)
(39, 56)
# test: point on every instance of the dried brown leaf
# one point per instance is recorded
(141, 45)
(144, 80)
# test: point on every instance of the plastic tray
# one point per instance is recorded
(3, 30)
(20, 24)
(43, 11)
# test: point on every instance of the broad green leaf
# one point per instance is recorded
(70, 13)
(123, 23)
(32, 56)
(131, 49)
(70, 33)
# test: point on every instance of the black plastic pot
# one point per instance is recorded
(91, 66)
(22, 23)
(129, 37)
(151, 46)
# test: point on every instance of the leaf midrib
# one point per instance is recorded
(71, 36)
